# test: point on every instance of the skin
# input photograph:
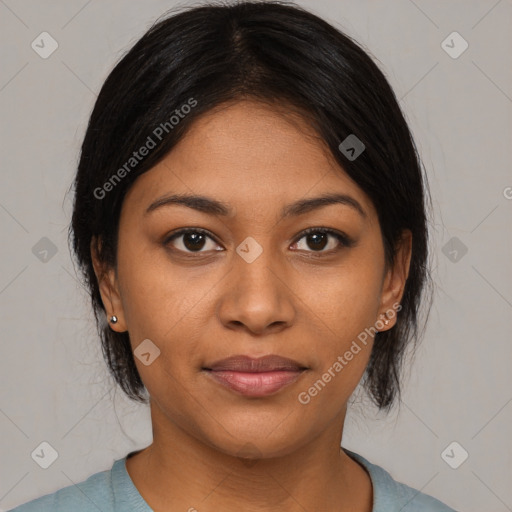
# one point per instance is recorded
(299, 300)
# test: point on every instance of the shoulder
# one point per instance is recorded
(93, 494)
(388, 493)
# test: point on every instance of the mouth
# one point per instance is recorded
(252, 377)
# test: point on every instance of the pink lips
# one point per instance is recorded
(255, 377)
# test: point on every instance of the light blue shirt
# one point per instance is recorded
(113, 491)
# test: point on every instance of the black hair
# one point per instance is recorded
(208, 55)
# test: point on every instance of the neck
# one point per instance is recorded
(180, 472)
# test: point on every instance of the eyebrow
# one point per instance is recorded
(212, 206)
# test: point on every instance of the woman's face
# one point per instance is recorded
(251, 284)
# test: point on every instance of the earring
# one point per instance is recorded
(386, 321)
(113, 319)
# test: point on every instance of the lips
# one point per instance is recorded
(252, 377)
(248, 364)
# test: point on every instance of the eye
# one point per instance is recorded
(318, 239)
(192, 240)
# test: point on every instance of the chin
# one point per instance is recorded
(254, 444)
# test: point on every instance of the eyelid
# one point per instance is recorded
(344, 240)
(342, 237)
(184, 231)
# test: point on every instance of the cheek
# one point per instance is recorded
(169, 306)
(341, 327)
(346, 297)
(342, 307)
(157, 296)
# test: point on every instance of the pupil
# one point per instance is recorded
(197, 241)
(194, 241)
(315, 238)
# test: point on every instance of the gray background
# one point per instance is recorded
(55, 387)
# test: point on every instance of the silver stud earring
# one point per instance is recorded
(113, 319)
(386, 321)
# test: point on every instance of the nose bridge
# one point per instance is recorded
(257, 296)
(253, 263)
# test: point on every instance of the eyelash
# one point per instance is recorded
(345, 241)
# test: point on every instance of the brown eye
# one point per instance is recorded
(318, 239)
(191, 240)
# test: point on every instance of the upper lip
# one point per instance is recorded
(242, 363)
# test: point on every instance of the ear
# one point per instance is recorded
(394, 281)
(109, 289)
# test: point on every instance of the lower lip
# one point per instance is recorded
(256, 384)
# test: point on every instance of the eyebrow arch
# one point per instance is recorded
(213, 207)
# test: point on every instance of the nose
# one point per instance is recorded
(256, 296)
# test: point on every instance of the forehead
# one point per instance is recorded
(249, 155)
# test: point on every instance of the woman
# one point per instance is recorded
(250, 220)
